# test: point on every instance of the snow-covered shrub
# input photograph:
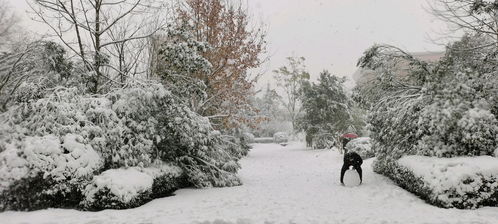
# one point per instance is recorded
(247, 137)
(167, 178)
(131, 187)
(206, 158)
(460, 182)
(122, 139)
(67, 137)
(49, 168)
(263, 140)
(457, 120)
(118, 188)
(441, 109)
(362, 146)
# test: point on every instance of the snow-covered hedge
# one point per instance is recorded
(45, 171)
(362, 146)
(263, 140)
(460, 182)
(130, 187)
(53, 147)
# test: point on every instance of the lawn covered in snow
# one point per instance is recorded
(281, 185)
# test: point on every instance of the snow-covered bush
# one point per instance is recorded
(118, 188)
(263, 140)
(442, 109)
(49, 168)
(247, 137)
(131, 187)
(66, 138)
(362, 146)
(460, 182)
(464, 129)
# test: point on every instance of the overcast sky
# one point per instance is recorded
(332, 34)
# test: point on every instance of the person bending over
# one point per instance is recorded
(354, 160)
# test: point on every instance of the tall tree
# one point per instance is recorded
(290, 78)
(327, 109)
(236, 47)
(94, 30)
(479, 16)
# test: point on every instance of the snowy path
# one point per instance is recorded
(281, 185)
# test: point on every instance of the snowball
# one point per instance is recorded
(351, 178)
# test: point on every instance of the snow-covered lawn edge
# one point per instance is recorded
(461, 182)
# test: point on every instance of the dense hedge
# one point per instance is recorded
(100, 194)
(472, 192)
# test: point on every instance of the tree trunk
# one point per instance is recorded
(97, 57)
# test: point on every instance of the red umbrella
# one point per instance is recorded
(350, 135)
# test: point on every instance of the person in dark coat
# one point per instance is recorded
(352, 159)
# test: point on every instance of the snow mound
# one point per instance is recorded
(123, 184)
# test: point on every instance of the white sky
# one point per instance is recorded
(332, 34)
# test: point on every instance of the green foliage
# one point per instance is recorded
(444, 109)
(181, 62)
(38, 192)
(328, 111)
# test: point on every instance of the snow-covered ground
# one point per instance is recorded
(281, 185)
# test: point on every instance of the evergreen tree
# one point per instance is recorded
(327, 109)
